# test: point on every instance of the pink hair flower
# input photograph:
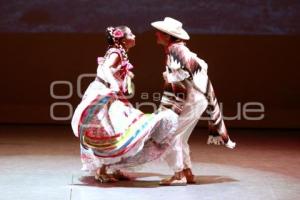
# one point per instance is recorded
(118, 33)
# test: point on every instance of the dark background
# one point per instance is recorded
(251, 48)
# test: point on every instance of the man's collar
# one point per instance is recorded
(171, 44)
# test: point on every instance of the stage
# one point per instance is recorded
(42, 162)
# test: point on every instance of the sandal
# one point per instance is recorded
(103, 177)
(178, 179)
(191, 179)
(122, 176)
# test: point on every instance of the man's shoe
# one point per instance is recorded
(190, 178)
(177, 180)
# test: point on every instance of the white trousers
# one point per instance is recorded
(178, 156)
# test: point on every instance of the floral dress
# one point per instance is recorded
(110, 128)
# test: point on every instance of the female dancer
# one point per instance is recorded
(109, 128)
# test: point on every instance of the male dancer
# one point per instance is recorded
(189, 92)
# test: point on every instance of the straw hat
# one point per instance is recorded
(172, 27)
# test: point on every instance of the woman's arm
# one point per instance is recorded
(112, 61)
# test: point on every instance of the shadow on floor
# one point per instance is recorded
(138, 181)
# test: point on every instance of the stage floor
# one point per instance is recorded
(42, 162)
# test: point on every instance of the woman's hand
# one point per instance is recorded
(130, 74)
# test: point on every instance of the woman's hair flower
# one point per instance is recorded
(117, 33)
